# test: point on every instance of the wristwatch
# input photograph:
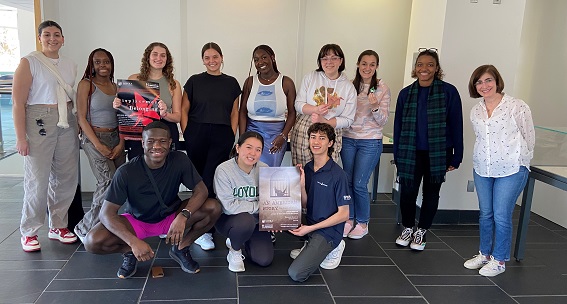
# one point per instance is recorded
(186, 213)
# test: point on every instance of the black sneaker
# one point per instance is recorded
(183, 257)
(129, 266)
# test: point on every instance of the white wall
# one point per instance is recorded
(426, 31)
(541, 80)
(476, 34)
(26, 32)
(467, 35)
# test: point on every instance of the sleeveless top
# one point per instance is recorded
(44, 85)
(267, 102)
(164, 92)
(101, 113)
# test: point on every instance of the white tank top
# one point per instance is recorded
(267, 102)
(44, 85)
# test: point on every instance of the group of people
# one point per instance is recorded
(327, 117)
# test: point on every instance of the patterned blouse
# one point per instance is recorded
(504, 141)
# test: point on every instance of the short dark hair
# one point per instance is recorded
(157, 125)
(210, 45)
(433, 53)
(242, 138)
(48, 23)
(326, 49)
(481, 70)
(327, 129)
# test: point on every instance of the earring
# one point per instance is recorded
(93, 71)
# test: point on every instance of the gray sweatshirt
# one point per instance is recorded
(236, 190)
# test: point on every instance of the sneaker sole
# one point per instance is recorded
(31, 249)
(234, 270)
(125, 277)
(357, 237)
(181, 264)
(472, 267)
(417, 247)
(402, 243)
(62, 240)
(490, 275)
(206, 248)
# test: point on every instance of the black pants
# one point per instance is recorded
(430, 201)
(208, 145)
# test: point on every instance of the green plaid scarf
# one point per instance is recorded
(436, 131)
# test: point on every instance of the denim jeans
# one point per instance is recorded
(359, 157)
(496, 199)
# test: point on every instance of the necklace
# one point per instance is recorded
(270, 78)
(55, 61)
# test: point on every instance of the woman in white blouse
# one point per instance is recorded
(504, 146)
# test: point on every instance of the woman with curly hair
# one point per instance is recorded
(157, 66)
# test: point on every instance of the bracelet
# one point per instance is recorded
(282, 135)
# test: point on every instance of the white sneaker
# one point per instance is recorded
(79, 234)
(235, 260)
(405, 238)
(206, 241)
(333, 259)
(492, 268)
(418, 242)
(295, 252)
(477, 262)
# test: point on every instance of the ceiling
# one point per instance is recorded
(20, 4)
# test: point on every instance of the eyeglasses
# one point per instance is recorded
(333, 59)
(42, 131)
(486, 81)
(430, 50)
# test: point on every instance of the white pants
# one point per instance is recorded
(51, 171)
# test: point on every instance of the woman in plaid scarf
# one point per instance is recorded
(428, 142)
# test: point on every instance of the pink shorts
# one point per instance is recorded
(145, 230)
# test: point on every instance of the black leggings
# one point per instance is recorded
(430, 201)
(242, 230)
(208, 145)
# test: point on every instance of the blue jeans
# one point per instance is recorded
(496, 199)
(359, 157)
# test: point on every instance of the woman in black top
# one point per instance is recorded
(210, 115)
(209, 118)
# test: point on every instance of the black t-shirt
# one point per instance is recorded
(132, 185)
(211, 97)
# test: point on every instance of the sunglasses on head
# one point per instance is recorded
(430, 50)
(42, 131)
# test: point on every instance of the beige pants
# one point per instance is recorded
(51, 172)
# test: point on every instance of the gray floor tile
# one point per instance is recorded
(285, 295)
(380, 300)
(210, 283)
(88, 297)
(276, 280)
(474, 279)
(362, 281)
(542, 300)
(12, 285)
(133, 283)
(464, 294)
(428, 262)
